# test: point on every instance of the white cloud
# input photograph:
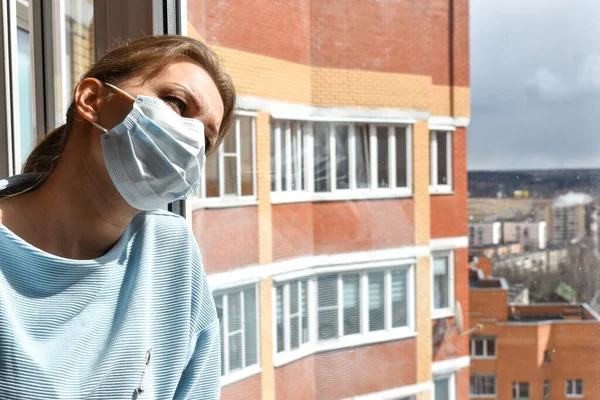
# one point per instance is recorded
(589, 74)
(548, 85)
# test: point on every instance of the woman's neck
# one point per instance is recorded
(75, 214)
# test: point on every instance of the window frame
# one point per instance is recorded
(200, 200)
(516, 387)
(485, 340)
(574, 394)
(314, 345)
(228, 376)
(446, 312)
(482, 395)
(353, 191)
(434, 187)
(451, 385)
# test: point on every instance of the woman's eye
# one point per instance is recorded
(176, 104)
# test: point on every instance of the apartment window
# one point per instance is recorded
(483, 385)
(520, 391)
(546, 389)
(292, 315)
(574, 388)
(483, 347)
(441, 161)
(443, 388)
(230, 171)
(340, 299)
(287, 156)
(358, 156)
(238, 320)
(443, 289)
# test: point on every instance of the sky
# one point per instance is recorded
(535, 84)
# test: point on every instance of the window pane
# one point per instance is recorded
(294, 317)
(342, 160)
(363, 175)
(579, 386)
(282, 147)
(351, 304)
(441, 389)
(229, 145)
(304, 290)
(524, 390)
(401, 160)
(294, 156)
(301, 144)
(491, 347)
(327, 298)
(247, 161)
(382, 157)
(80, 54)
(376, 308)
(399, 299)
(440, 282)
(212, 175)
(569, 386)
(234, 311)
(235, 351)
(479, 347)
(273, 160)
(26, 111)
(250, 326)
(219, 307)
(442, 158)
(279, 316)
(322, 181)
(230, 175)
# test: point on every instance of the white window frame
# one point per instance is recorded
(481, 395)
(434, 187)
(353, 192)
(516, 390)
(287, 316)
(200, 200)
(485, 340)
(286, 135)
(445, 312)
(451, 383)
(314, 345)
(249, 370)
(574, 394)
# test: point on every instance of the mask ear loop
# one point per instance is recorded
(118, 90)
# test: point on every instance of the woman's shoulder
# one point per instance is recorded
(165, 229)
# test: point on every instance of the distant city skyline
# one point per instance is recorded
(535, 84)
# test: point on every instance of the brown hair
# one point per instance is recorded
(143, 58)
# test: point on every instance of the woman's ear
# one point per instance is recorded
(88, 97)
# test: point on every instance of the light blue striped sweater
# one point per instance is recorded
(73, 329)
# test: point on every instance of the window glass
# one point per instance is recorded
(376, 302)
(342, 171)
(363, 157)
(80, 49)
(250, 326)
(304, 307)
(441, 389)
(440, 282)
(327, 305)
(442, 158)
(401, 159)
(285, 131)
(351, 304)
(26, 114)
(212, 175)
(279, 316)
(322, 157)
(247, 158)
(235, 331)
(294, 315)
(399, 298)
(382, 157)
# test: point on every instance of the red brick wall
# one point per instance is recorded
(363, 225)
(292, 230)
(248, 389)
(228, 237)
(449, 212)
(345, 373)
(403, 36)
(463, 383)
(296, 381)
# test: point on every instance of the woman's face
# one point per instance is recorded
(183, 86)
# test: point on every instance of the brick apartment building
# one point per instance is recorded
(333, 221)
(527, 352)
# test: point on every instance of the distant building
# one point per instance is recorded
(531, 235)
(570, 217)
(538, 351)
(485, 233)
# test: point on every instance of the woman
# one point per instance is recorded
(102, 296)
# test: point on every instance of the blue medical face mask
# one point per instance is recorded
(154, 156)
